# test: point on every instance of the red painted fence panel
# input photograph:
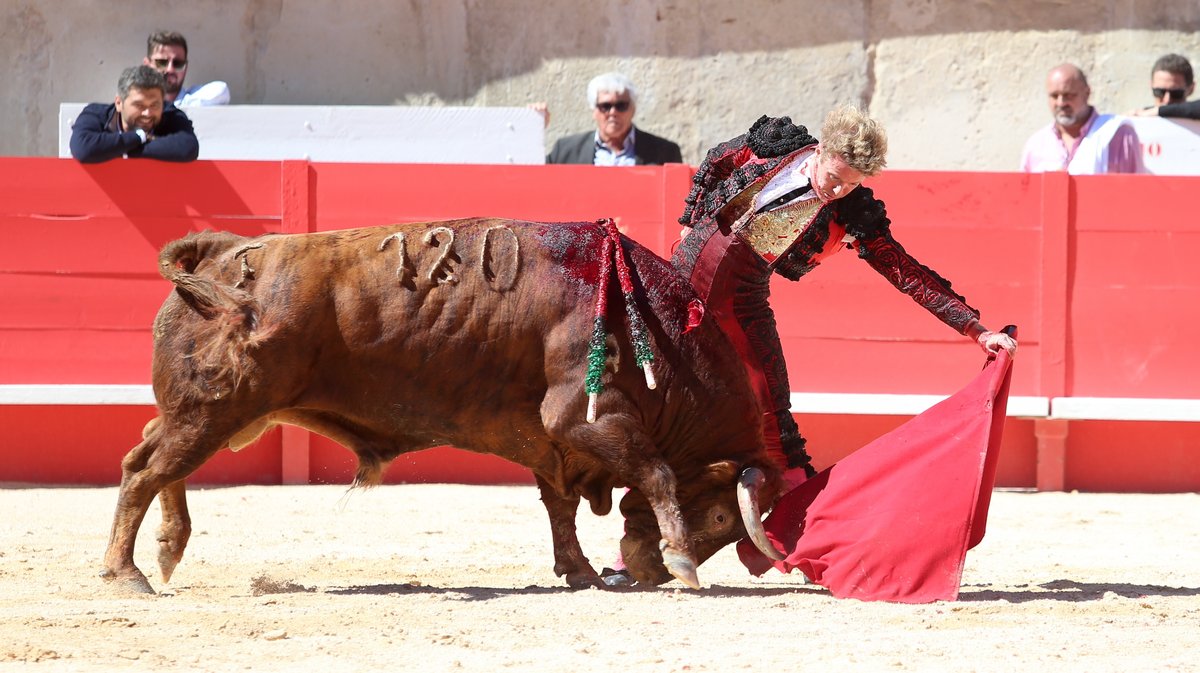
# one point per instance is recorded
(1096, 271)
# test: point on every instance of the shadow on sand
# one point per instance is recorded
(486, 593)
(1074, 592)
(1056, 590)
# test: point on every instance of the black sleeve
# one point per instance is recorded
(174, 139)
(866, 219)
(1188, 110)
(556, 153)
(657, 150)
(919, 282)
(566, 150)
(92, 143)
(673, 154)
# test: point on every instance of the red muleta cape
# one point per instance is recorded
(893, 521)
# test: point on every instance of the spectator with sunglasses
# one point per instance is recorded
(136, 125)
(612, 99)
(1080, 140)
(167, 52)
(1171, 82)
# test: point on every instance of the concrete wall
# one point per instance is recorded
(959, 84)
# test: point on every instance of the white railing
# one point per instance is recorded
(1019, 406)
(358, 133)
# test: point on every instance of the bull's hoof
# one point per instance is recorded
(128, 584)
(167, 560)
(584, 580)
(681, 567)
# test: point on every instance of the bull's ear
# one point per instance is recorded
(724, 471)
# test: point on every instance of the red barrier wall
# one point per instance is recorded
(1093, 270)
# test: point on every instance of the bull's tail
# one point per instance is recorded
(233, 311)
(178, 261)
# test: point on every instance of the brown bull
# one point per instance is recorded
(471, 333)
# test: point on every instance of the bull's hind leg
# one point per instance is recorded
(176, 526)
(569, 560)
(161, 461)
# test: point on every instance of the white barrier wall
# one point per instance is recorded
(474, 135)
(358, 133)
(1169, 146)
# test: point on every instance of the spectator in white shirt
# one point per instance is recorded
(167, 52)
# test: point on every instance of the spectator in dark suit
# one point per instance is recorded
(1171, 83)
(135, 125)
(616, 141)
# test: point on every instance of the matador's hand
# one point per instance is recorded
(992, 342)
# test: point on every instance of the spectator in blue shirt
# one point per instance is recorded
(135, 124)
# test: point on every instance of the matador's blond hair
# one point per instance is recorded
(859, 140)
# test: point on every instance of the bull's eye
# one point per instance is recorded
(721, 520)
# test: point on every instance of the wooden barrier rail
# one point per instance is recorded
(1101, 286)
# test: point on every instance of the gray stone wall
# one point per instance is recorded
(959, 84)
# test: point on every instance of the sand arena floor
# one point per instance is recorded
(458, 578)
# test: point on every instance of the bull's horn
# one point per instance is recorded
(751, 480)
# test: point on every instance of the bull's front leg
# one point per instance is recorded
(656, 483)
(569, 561)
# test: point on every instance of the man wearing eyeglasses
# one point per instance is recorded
(167, 52)
(135, 125)
(1171, 83)
(616, 141)
(1080, 140)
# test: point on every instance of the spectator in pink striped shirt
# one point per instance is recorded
(1080, 140)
